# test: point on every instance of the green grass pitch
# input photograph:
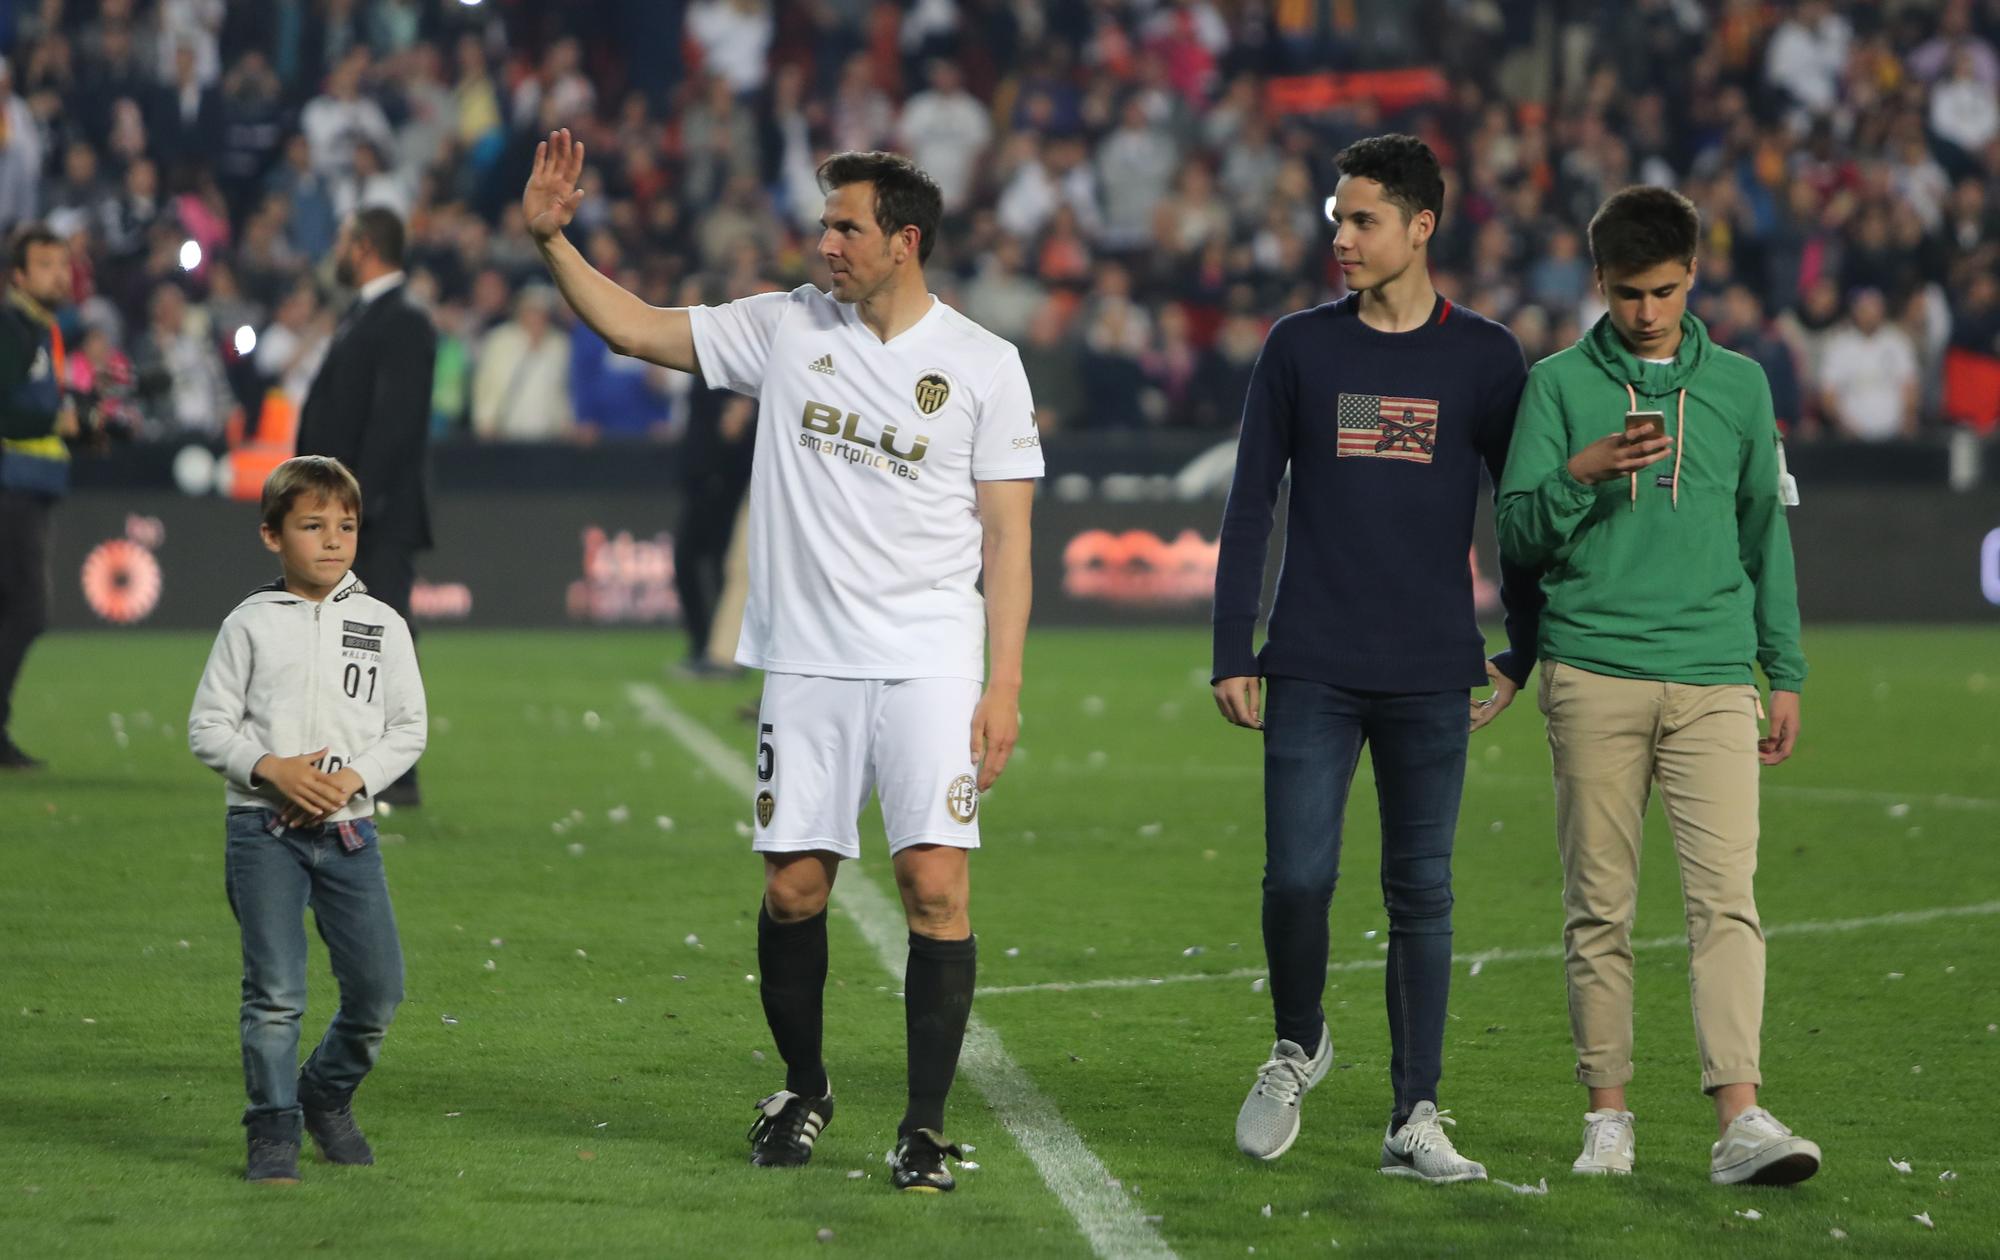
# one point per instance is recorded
(570, 1075)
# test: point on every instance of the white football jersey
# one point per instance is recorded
(865, 542)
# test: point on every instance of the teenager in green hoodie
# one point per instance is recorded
(1668, 572)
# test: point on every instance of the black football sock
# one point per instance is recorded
(791, 961)
(937, 1000)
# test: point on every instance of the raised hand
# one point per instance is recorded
(551, 198)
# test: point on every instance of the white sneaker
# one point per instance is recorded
(1607, 1144)
(1420, 1149)
(1758, 1150)
(1268, 1124)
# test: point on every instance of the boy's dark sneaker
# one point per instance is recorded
(272, 1162)
(918, 1162)
(786, 1128)
(337, 1136)
(12, 758)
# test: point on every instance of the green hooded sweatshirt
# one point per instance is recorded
(1684, 573)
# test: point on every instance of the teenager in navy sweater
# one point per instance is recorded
(1383, 405)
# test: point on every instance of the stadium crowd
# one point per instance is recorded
(1134, 187)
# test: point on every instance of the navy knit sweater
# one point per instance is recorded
(1384, 434)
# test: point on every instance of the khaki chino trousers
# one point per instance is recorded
(1612, 739)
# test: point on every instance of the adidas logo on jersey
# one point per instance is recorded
(824, 364)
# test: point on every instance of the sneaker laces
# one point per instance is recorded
(1282, 1079)
(1762, 1122)
(1606, 1131)
(1428, 1133)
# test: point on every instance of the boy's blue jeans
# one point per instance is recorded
(1313, 733)
(272, 876)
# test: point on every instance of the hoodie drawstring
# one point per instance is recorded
(1680, 442)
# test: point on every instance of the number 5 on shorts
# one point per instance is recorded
(767, 756)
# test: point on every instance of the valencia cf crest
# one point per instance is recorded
(767, 805)
(933, 390)
(962, 798)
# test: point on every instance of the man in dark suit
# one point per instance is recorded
(370, 407)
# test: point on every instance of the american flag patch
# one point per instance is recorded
(1382, 427)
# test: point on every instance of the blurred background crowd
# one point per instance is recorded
(1134, 188)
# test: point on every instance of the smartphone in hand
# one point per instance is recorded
(1644, 426)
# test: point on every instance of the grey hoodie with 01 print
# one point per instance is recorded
(289, 676)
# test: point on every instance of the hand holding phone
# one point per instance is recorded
(1642, 443)
(1644, 426)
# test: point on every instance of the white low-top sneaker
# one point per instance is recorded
(1421, 1149)
(1268, 1124)
(1607, 1144)
(1757, 1150)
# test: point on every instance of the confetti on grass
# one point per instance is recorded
(1900, 1165)
(1924, 1219)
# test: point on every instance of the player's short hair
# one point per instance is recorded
(904, 195)
(1406, 168)
(302, 476)
(25, 238)
(1640, 227)
(382, 228)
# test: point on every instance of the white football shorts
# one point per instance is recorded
(823, 744)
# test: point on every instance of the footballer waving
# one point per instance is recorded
(895, 466)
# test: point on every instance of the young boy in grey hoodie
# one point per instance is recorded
(311, 703)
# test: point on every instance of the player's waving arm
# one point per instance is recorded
(628, 324)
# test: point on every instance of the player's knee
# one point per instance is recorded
(933, 907)
(790, 899)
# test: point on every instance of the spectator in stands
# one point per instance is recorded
(252, 129)
(1003, 298)
(1868, 378)
(340, 117)
(614, 396)
(310, 223)
(20, 156)
(368, 183)
(557, 93)
(1135, 166)
(734, 37)
(185, 117)
(181, 380)
(1965, 112)
(1223, 378)
(1807, 55)
(945, 129)
(1117, 335)
(1741, 327)
(520, 388)
(291, 347)
(1051, 360)
(82, 186)
(1975, 324)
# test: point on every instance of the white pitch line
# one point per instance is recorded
(1477, 776)
(1541, 953)
(1110, 1221)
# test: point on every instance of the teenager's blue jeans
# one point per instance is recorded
(272, 878)
(1313, 735)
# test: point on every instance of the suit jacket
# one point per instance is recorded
(370, 408)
